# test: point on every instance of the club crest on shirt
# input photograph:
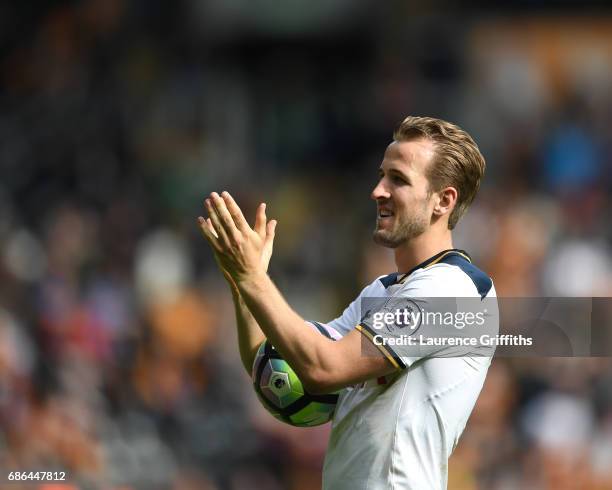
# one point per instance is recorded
(398, 315)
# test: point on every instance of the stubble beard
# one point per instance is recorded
(404, 232)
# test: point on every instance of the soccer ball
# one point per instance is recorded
(281, 392)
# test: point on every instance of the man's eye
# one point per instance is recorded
(398, 180)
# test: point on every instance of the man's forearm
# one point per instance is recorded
(301, 346)
(250, 335)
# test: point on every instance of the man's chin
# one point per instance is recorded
(385, 239)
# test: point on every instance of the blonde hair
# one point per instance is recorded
(457, 161)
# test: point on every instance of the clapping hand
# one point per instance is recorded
(239, 249)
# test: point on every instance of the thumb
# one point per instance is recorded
(271, 230)
(260, 219)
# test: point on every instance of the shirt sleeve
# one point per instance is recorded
(351, 315)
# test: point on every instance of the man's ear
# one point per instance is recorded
(446, 201)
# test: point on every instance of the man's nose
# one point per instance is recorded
(379, 192)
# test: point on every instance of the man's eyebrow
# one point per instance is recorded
(382, 170)
(398, 172)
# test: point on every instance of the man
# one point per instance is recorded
(400, 416)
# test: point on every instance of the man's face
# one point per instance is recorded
(404, 204)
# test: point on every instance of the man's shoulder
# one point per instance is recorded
(378, 285)
(385, 281)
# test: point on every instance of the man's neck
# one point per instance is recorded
(419, 249)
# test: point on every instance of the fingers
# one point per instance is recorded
(208, 232)
(260, 220)
(227, 222)
(211, 227)
(224, 217)
(235, 212)
(211, 236)
(216, 222)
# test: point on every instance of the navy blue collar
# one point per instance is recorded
(437, 258)
(397, 277)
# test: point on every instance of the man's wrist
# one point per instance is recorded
(251, 279)
(234, 289)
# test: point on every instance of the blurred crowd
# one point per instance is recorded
(118, 356)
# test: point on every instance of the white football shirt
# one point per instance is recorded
(398, 432)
